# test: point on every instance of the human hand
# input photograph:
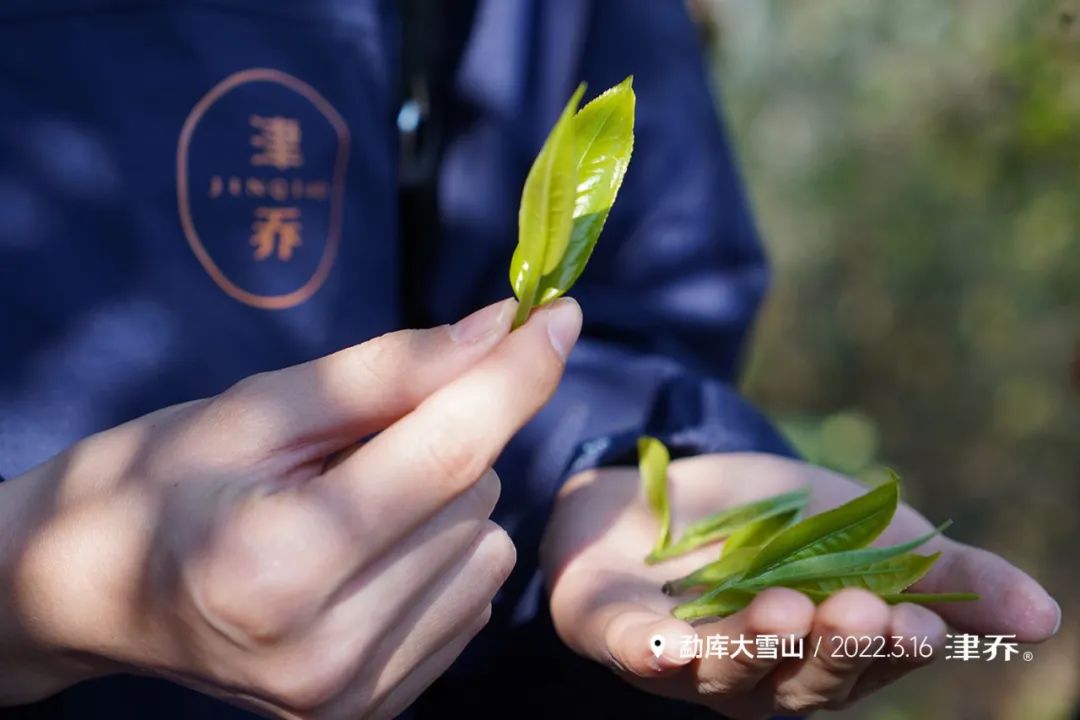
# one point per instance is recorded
(246, 546)
(607, 604)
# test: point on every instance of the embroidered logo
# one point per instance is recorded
(260, 174)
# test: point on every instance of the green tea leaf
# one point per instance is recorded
(721, 524)
(759, 532)
(727, 567)
(819, 597)
(852, 525)
(604, 141)
(714, 604)
(730, 601)
(653, 460)
(825, 566)
(889, 576)
(546, 214)
(929, 598)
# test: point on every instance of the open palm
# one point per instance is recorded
(607, 604)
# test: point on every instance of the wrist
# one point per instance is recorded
(40, 652)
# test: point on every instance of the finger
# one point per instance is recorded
(916, 638)
(428, 671)
(436, 616)
(379, 594)
(440, 616)
(414, 467)
(333, 401)
(829, 668)
(779, 613)
(1011, 602)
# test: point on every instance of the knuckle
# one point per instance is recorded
(258, 581)
(484, 619)
(377, 360)
(247, 386)
(487, 491)
(716, 687)
(500, 555)
(302, 688)
(252, 614)
(241, 408)
(799, 700)
(451, 452)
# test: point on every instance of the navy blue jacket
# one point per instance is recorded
(192, 191)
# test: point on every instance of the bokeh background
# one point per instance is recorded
(915, 169)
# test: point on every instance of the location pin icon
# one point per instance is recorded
(656, 644)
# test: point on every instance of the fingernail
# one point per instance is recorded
(1057, 626)
(485, 320)
(667, 655)
(563, 325)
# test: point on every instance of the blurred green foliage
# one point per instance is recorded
(915, 169)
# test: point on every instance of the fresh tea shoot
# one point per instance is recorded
(768, 545)
(568, 194)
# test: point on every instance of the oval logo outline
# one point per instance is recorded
(337, 187)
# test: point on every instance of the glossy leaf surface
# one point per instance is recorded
(546, 214)
(852, 525)
(603, 144)
(885, 577)
(568, 194)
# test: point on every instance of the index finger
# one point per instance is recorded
(416, 466)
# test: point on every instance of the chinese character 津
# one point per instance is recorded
(277, 142)
(962, 647)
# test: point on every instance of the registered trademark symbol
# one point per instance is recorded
(1028, 656)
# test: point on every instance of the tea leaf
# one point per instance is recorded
(727, 602)
(889, 576)
(929, 598)
(732, 564)
(819, 597)
(714, 604)
(826, 566)
(604, 140)
(545, 216)
(852, 525)
(759, 532)
(653, 459)
(721, 524)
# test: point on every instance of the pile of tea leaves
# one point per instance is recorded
(768, 543)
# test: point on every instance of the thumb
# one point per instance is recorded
(331, 402)
(1010, 601)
